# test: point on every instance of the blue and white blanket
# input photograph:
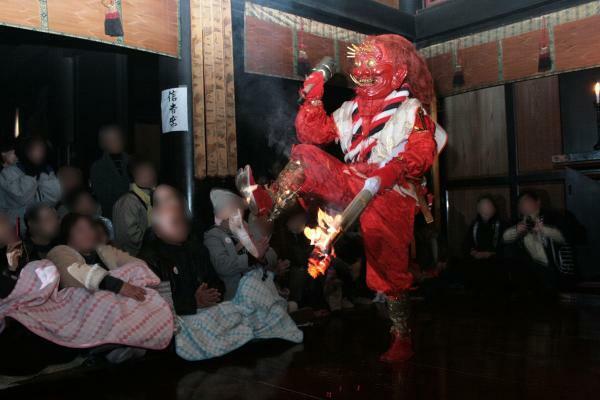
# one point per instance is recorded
(256, 312)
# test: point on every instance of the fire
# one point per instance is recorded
(322, 237)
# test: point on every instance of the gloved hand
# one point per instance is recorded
(239, 229)
(313, 87)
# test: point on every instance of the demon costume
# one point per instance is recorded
(386, 135)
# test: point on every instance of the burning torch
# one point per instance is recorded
(331, 228)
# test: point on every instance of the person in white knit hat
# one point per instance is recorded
(233, 251)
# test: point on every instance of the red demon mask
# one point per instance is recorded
(384, 63)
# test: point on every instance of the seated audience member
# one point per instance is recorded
(29, 181)
(42, 232)
(291, 244)
(179, 260)
(483, 247)
(82, 201)
(534, 242)
(232, 250)
(71, 180)
(10, 255)
(109, 175)
(132, 213)
(83, 262)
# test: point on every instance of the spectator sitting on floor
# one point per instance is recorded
(8, 153)
(260, 227)
(42, 232)
(31, 180)
(71, 180)
(83, 262)
(132, 213)
(534, 242)
(10, 254)
(109, 175)
(181, 261)
(484, 271)
(291, 244)
(232, 250)
(81, 201)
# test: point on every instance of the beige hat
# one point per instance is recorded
(223, 199)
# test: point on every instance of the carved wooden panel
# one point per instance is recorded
(215, 146)
(537, 123)
(462, 211)
(476, 125)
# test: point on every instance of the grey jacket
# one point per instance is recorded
(19, 191)
(130, 221)
(229, 263)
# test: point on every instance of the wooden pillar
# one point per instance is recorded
(177, 163)
(215, 151)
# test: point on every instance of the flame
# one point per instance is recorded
(597, 88)
(322, 237)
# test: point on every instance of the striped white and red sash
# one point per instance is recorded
(363, 142)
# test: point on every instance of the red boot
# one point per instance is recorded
(400, 350)
(399, 312)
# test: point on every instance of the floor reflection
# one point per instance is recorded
(464, 350)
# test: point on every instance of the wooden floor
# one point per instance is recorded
(465, 350)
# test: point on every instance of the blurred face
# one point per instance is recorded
(70, 179)
(83, 236)
(47, 224)
(528, 206)
(230, 209)
(165, 195)
(37, 153)
(9, 157)
(171, 224)
(265, 227)
(145, 176)
(86, 205)
(296, 223)
(112, 141)
(486, 209)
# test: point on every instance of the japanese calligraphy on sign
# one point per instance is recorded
(174, 112)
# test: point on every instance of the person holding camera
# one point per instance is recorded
(535, 242)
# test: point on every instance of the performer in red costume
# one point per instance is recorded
(387, 138)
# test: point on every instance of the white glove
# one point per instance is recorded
(238, 228)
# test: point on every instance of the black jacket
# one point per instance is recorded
(108, 182)
(185, 267)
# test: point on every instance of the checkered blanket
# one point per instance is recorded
(75, 317)
(256, 312)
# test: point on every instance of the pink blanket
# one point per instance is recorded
(75, 317)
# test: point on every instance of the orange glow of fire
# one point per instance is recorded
(322, 237)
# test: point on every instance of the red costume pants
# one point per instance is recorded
(386, 224)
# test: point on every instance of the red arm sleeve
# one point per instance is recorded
(417, 157)
(313, 125)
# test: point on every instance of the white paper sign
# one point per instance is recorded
(173, 105)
